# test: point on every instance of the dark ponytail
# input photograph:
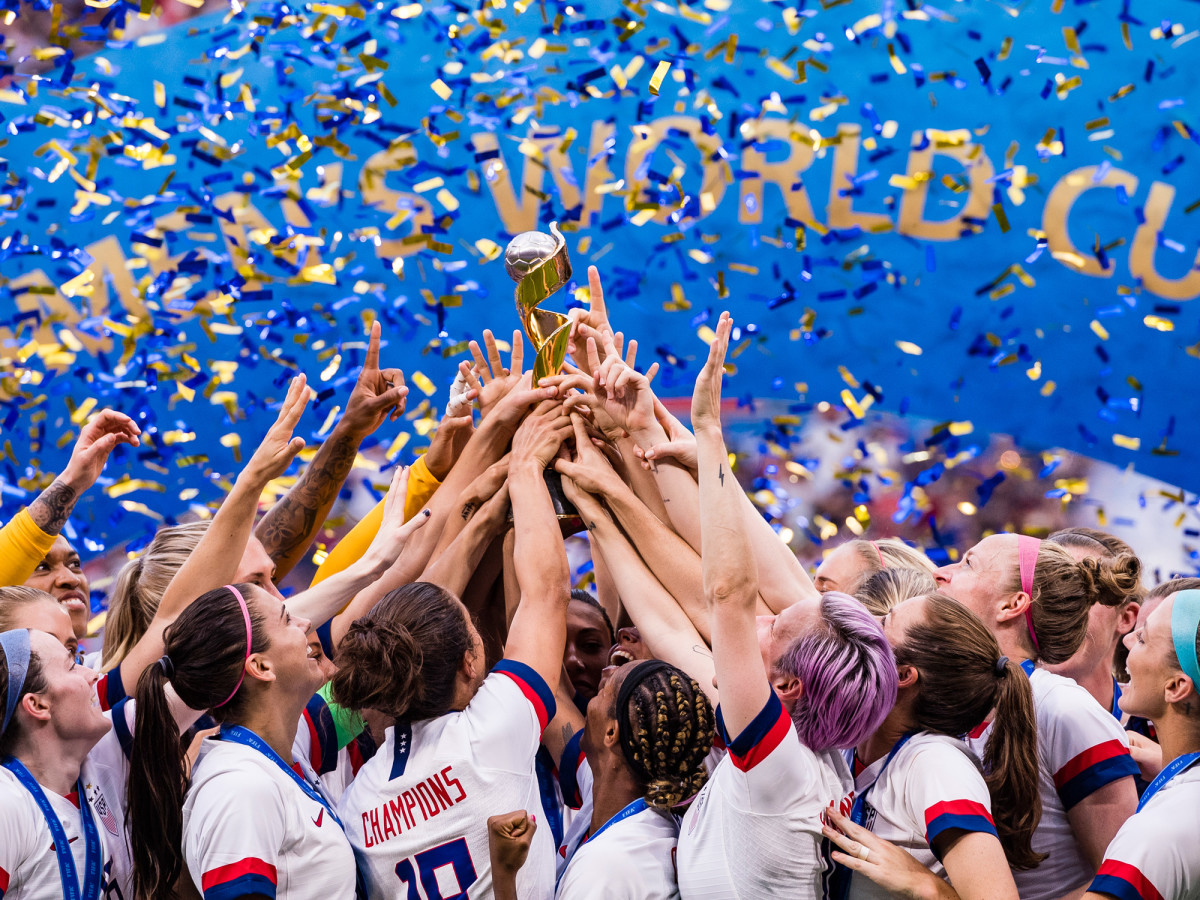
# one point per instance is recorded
(959, 681)
(403, 657)
(1010, 767)
(204, 660)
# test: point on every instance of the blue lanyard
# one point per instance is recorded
(1116, 707)
(1028, 666)
(93, 854)
(631, 810)
(839, 887)
(1178, 765)
(247, 738)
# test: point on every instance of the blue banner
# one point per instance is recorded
(979, 212)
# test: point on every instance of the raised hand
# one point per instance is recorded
(278, 447)
(488, 377)
(509, 836)
(592, 321)
(625, 392)
(541, 434)
(515, 405)
(393, 531)
(679, 447)
(97, 439)
(379, 394)
(706, 397)
(589, 469)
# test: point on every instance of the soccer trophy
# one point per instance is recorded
(539, 264)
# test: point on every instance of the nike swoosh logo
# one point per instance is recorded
(54, 849)
(320, 818)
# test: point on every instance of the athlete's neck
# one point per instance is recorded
(53, 763)
(898, 723)
(614, 788)
(275, 721)
(1178, 733)
(1013, 638)
(1090, 671)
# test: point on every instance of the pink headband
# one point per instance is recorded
(249, 638)
(1027, 554)
(880, 552)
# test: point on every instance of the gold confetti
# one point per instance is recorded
(656, 79)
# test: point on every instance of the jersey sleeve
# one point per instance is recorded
(234, 833)
(22, 546)
(946, 793)
(774, 769)
(1085, 747)
(1149, 859)
(507, 716)
(109, 689)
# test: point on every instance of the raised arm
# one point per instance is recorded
(539, 628)
(288, 528)
(454, 566)
(666, 629)
(782, 579)
(215, 559)
(730, 570)
(668, 556)
(27, 538)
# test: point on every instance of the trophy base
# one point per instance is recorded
(569, 520)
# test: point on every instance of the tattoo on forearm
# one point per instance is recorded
(591, 526)
(702, 650)
(291, 524)
(567, 733)
(721, 475)
(52, 507)
(467, 510)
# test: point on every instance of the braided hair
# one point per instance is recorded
(665, 727)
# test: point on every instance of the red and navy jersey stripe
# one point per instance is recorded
(760, 737)
(961, 815)
(533, 686)
(322, 733)
(239, 879)
(109, 689)
(1123, 881)
(1093, 769)
(3, 882)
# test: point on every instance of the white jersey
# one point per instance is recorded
(28, 857)
(248, 828)
(755, 828)
(1081, 748)
(1154, 855)
(417, 812)
(630, 858)
(931, 787)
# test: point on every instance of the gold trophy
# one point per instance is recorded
(539, 264)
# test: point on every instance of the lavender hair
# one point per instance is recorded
(848, 672)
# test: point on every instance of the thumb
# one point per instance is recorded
(101, 448)
(670, 449)
(566, 467)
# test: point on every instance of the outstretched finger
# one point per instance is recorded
(481, 366)
(651, 372)
(372, 360)
(493, 354)
(631, 356)
(596, 293)
(517, 359)
(593, 356)
(397, 491)
(581, 435)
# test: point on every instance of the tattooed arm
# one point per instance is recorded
(28, 536)
(288, 529)
(97, 440)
